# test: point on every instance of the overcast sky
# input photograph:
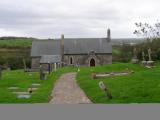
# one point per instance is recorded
(75, 18)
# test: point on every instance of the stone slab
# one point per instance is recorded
(36, 84)
(34, 89)
(112, 74)
(21, 93)
(13, 88)
(24, 96)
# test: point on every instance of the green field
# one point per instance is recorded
(24, 80)
(13, 50)
(143, 86)
(15, 43)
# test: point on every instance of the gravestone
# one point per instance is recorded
(150, 62)
(25, 66)
(102, 85)
(41, 73)
(144, 62)
(135, 58)
(105, 89)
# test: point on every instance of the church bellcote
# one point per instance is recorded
(62, 46)
(109, 35)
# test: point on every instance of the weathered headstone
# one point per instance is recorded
(41, 72)
(150, 62)
(149, 54)
(25, 66)
(135, 58)
(144, 62)
(104, 88)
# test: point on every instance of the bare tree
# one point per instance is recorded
(148, 31)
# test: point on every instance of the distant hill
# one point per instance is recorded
(15, 42)
(27, 41)
(16, 38)
(131, 41)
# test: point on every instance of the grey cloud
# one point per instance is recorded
(85, 18)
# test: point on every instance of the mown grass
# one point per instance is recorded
(143, 86)
(23, 81)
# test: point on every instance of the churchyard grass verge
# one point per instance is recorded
(142, 86)
(18, 78)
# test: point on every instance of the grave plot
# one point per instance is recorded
(36, 85)
(13, 88)
(34, 89)
(24, 94)
(110, 74)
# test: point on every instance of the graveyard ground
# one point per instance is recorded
(142, 86)
(22, 80)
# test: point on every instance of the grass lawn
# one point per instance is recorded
(23, 81)
(143, 86)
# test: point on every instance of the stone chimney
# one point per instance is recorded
(109, 35)
(62, 48)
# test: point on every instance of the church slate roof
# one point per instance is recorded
(50, 59)
(45, 47)
(86, 45)
(71, 46)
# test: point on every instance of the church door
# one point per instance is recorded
(92, 63)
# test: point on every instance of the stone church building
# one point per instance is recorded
(72, 52)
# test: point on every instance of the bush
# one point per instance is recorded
(155, 47)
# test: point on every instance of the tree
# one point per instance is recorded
(148, 31)
(152, 34)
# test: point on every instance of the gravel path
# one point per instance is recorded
(66, 91)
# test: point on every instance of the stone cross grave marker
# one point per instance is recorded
(143, 56)
(149, 54)
(135, 58)
(144, 62)
(135, 53)
(150, 62)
